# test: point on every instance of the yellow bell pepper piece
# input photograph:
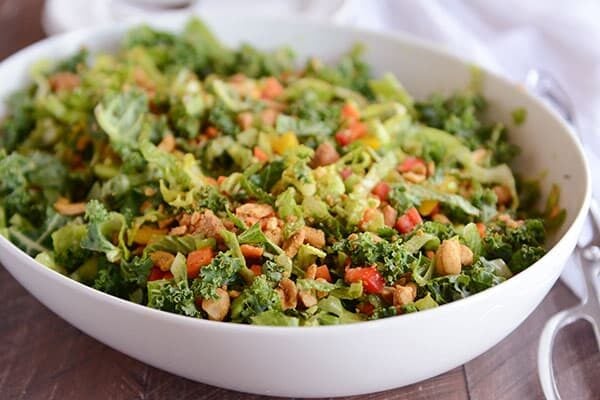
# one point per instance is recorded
(427, 207)
(145, 234)
(283, 142)
(371, 141)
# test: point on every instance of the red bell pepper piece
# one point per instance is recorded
(371, 279)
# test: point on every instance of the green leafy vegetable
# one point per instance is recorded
(102, 225)
(255, 300)
(222, 270)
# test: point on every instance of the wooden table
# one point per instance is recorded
(43, 357)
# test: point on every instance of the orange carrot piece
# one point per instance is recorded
(272, 88)
(350, 112)
(251, 251)
(198, 259)
(323, 272)
(211, 132)
(481, 229)
(260, 154)
(256, 269)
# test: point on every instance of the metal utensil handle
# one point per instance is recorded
(545, 364)
(588, 310)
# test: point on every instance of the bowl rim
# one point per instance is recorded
(167, 22)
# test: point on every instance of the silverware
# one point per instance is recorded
(545, 86)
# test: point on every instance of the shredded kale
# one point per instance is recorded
(223, 119)
(518, 247)
(254, 300)
(391, 258)
(172, 297)
(223, 270)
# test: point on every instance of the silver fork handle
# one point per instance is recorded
(588, 310)
(545, 364)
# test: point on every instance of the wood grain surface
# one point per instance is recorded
(43, 357)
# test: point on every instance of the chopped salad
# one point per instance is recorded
(233, 185)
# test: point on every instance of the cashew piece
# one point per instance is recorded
(447, 258)
(466, 256)
(311, 272)
(307, 298)
(162, 259)
(404, 295)
(287, 293)
(218, 308)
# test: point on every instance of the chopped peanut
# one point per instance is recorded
(292, 245)
(414, 177)
(179, 230)
(167, 143)
(272, 227)
(419, 169)
(389, 215)
(251, 213)
(162, 259)
(387, 294)
(314, 237)
(195, 218)
(245, 120)
(63, 81)
(441, 218)
(64, 207)
(209, 224)
(311, 272)
(404, 295)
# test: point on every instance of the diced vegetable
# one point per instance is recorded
(198, 259)
(371, 279)
(408, 221)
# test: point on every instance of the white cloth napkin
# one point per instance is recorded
(508, 37)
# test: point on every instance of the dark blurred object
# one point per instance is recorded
(19, 24)
(164, 4)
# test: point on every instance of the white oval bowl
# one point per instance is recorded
(333, 360)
